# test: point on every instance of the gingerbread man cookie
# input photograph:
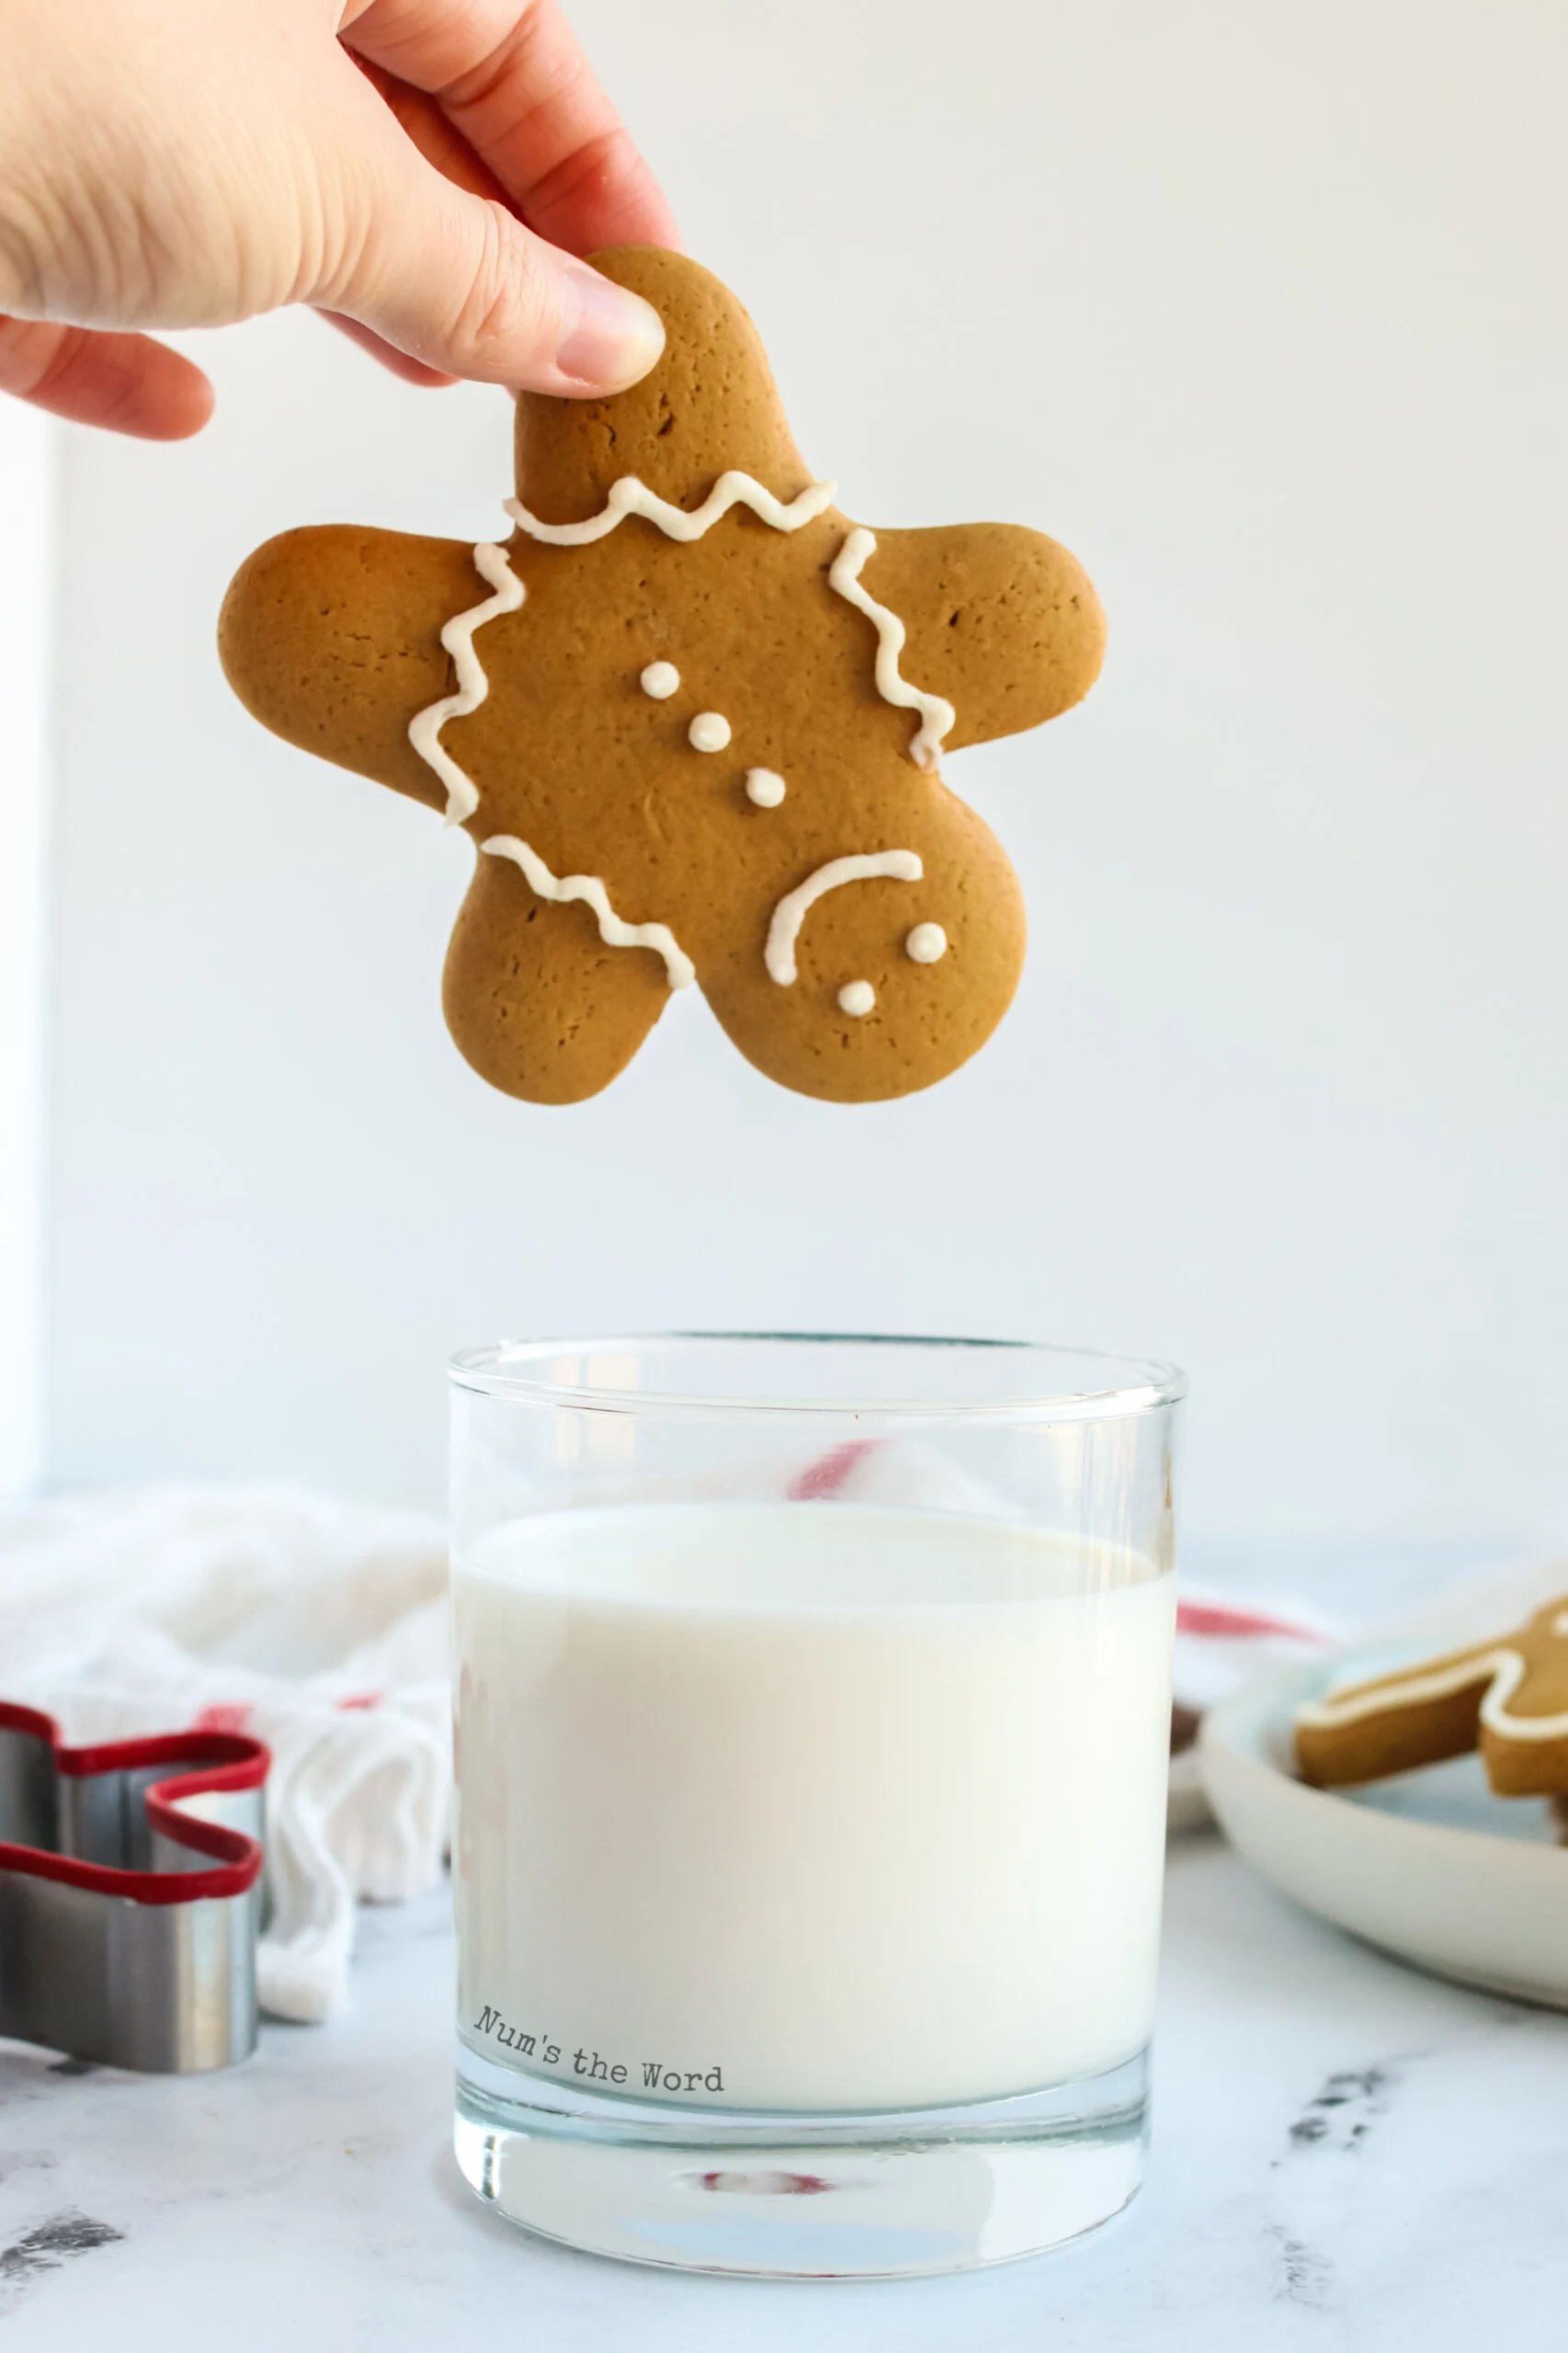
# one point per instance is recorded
(1508, 1698)
(690, 715)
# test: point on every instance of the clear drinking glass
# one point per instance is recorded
(811, 1707)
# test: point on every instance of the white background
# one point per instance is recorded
(27, 540)
(1265, 312)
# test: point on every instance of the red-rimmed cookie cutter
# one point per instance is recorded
(130, 1894)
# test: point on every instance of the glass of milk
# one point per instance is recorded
(811, 1704)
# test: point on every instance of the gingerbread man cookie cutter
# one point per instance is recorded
(130, 1894)
(691, 716)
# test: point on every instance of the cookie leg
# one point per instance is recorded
(896, 982)
(536, 1001)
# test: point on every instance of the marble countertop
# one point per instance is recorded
(1347, 2154)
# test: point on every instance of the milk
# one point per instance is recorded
(807, 1806)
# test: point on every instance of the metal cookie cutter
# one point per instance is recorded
(130, 1894)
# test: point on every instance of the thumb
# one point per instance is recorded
(456, 281)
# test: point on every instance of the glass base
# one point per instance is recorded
(884, 2196)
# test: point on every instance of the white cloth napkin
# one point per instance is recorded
(319, 1626)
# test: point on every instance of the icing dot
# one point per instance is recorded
(765, 787)
(708, 732)
(660, 679)
(856, 997)
(926, 943)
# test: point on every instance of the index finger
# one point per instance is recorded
(510, 78)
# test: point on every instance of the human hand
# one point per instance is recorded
(423, 170)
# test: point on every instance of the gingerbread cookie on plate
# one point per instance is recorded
(691, 716)
(1508, 1698)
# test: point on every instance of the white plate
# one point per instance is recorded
(1428, 1864)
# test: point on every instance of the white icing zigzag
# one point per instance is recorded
(679, 969)
(894, 865)
(462, 793)
(629, 496)
(425, 727)
(937, 715)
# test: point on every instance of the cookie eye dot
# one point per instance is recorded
(708, 732)
(856, 997)
(765, 787)
(927, 944)
(660, 679)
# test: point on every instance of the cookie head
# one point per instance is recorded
(693, 718)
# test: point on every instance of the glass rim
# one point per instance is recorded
(1133, 1385)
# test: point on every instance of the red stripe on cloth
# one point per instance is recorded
(224, 1715)
(1220, 1618)
(828, 1473)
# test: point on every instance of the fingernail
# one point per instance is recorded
(614, 338)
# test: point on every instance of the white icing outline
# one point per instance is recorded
(629, 496)
(456, 637)
(1504, 1668)
(462, 793)
(937, 714)
(889, 865)
(679, 970)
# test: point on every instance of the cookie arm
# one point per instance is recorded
(1001, 620)
(332, 638)
(1396, 1721)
